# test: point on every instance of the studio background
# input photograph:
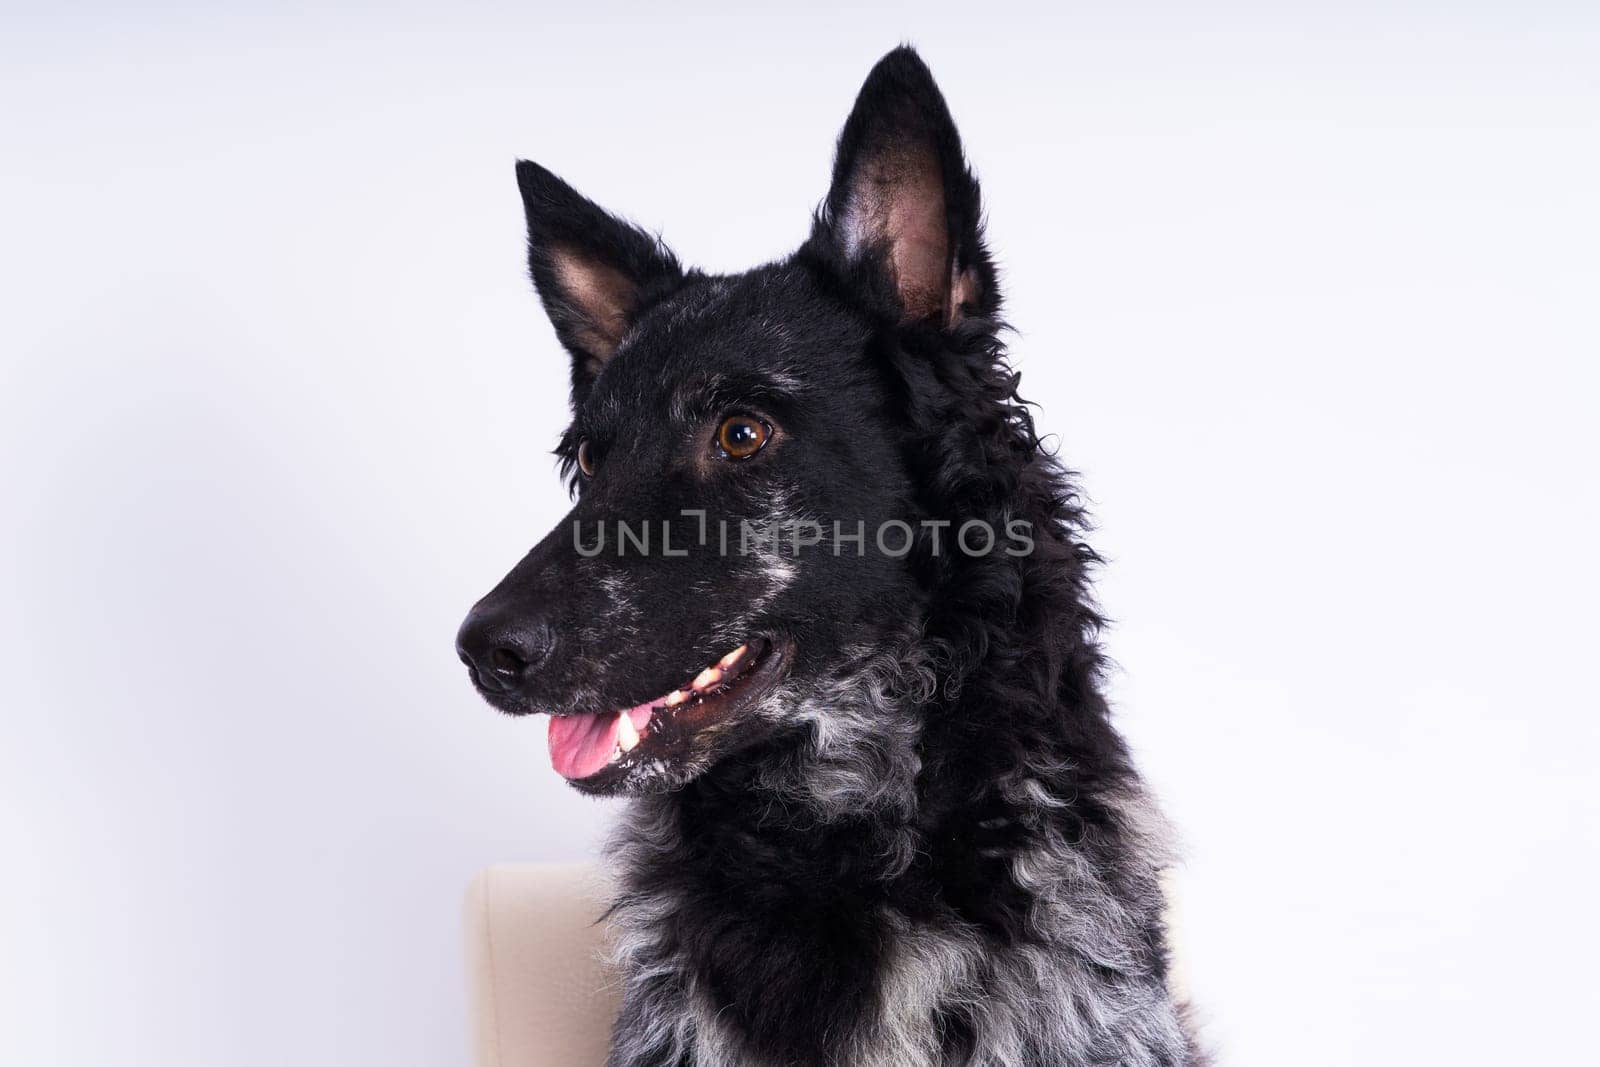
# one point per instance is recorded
(1309, 297)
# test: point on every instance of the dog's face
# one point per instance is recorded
(743, 457)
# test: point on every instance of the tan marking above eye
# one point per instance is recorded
(742, 436)
(585, 459)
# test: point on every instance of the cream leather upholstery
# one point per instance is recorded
(539, 991)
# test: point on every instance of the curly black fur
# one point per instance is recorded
(926, 844)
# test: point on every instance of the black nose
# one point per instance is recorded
(500, 649)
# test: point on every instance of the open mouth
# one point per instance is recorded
(591, 749)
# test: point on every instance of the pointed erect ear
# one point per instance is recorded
(594, 272)
(903, 216)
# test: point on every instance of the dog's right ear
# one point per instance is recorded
(902, 221)
(594, 272)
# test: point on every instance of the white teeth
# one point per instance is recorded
(707, 678)
(733, 657)
(627, 736)
(676, 697)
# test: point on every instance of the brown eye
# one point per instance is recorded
(742, 436)
(585, 459)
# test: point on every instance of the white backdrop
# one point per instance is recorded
(1309, 297)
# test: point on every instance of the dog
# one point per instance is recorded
(821, 610)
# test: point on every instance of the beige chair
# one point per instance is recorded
(539, 991)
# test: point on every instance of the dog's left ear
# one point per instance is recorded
(595, 273)
(902, 218)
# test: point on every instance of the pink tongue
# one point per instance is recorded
(581, 745)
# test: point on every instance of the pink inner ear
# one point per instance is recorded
(898, 200)
(919, 245)
(602, 296)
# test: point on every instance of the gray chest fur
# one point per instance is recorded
(1080, 991)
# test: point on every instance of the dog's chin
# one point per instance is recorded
(664, 743)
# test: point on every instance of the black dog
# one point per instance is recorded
(821, 608)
